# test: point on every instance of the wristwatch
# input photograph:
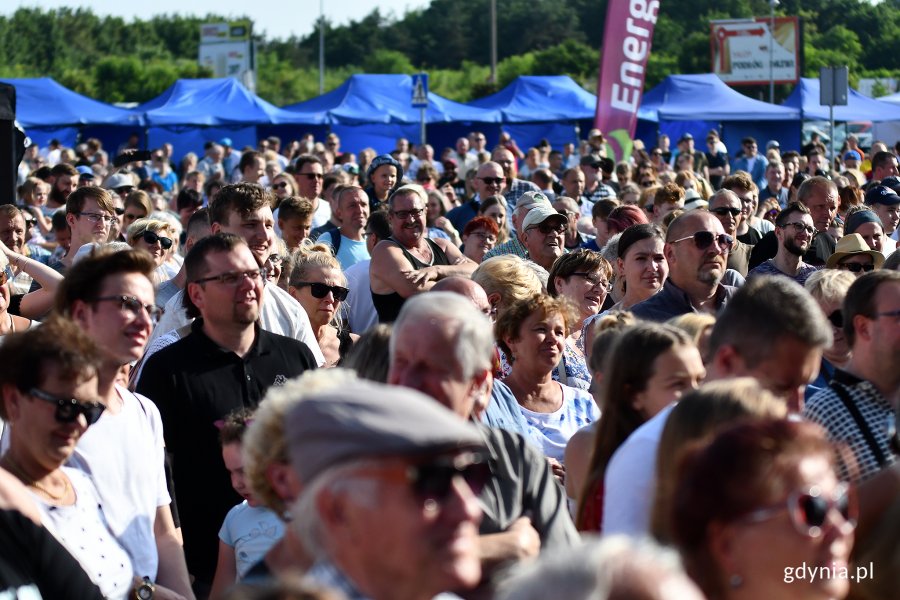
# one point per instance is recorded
(145, 590)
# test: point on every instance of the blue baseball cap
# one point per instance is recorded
(880, 194)
(852, 155)
(225, 141)
(85, 172)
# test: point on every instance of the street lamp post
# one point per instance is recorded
(321, 47)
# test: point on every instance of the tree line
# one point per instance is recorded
(117, 61)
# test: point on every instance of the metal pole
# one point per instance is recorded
(494, 42)
(772, 5)
(422, 125)
(831, 141)
(321, 47)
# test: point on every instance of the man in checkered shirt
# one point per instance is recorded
(871, 380)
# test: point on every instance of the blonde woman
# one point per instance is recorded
(156, 237)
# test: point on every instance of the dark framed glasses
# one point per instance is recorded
(547, 228)
(493, 180)
(726, 210)
(133, 306)
(836, 318)
(234, 277)
(809, 509)
(855, 267)
(593, 279)
(704, 239)
(313, 175)
(403, 215)
(320, 290)
(68, 409)
(152, 237)
(801, 227)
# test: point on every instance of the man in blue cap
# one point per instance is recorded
(230, 158)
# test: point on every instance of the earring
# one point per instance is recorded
(735, 581)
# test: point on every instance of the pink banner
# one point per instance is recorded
(623, 64)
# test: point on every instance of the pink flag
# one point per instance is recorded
(623, 63)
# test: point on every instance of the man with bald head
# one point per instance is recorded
(726, 206)
(489, 181)
(514, 187)
(697, 252)
(466, 288)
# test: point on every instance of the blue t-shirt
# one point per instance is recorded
(251, 531)
(349, 251)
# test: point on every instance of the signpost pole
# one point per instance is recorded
(420, 100)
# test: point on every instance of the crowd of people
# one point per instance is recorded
(307, 372)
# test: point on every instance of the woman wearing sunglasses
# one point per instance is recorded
(318, 284)
(760, 504)
(828, 287)
(48, 377)
(157, 238)
(283, 186)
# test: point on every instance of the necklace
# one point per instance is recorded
(20, 473)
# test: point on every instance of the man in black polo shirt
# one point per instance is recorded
(226, 362)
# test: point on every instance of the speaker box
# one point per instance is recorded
(11, 144)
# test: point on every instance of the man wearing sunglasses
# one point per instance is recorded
(697, 252)
(388, 492)
(442, 346)
(857, 409)
(514, 187)
(794, 231)
(489, 181)
(409, 263)
(110, 297)
(310, 175)
(543, 234)
(227, 361)
(726, 206)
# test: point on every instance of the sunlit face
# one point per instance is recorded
(434, 209)
(12, 233)
(574, 183)
(676, 371)
(281, 187)
(295, 230)
(873, 234)
(822, 205)
(760, 548)
(839, 347)
(39, 195)
(587, 290)
(407, 219)
(478, 243)
(644, 268)
(383, 179)
(540, 342)
(497, 213)
(309, 180)
(863, 260)
(257, 228)
(320, 310)
(688, 264)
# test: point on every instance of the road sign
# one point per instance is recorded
(420, 90)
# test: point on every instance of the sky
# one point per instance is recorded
(273, 18)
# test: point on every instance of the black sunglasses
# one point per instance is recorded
(279, 186)
(704, 239)
(809, 510)
(320, 290)
(856, 267)
(151, 238)
(493, 180)
(725, 210)
(68, 409)
(548, 228)
(120, 211)
(434, 480)
(837, 318)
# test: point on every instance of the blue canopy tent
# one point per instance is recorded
(194, 111)
(535, 107)
(375, 110)
(698, 103)
(805, 98)
(48, 110)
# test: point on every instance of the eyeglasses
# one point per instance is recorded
(403, 215)
(855, 267)
(548, 228)
(484, 235)
(800, 227)
(493, 180)
(432, 482)
(725, 210)
(320, 290)
(280, 186)
(593, 280)
(312, 175)
(120, 211)
(151, 238)
(890, 314)
(125, 189)
(69, 409)
(648, 183)
(275, 259)
(809, 510)
(837, 318)
(133, 306)
(97, 217)
(234, 277)
(704, 239)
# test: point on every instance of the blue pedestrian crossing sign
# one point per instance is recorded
(420, 90)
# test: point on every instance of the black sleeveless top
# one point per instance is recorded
(388, 305)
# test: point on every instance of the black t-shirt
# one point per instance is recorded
(32, 561)
(195, 383)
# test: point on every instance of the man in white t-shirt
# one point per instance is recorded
(310, 175)
(771, 330)
(110, 296)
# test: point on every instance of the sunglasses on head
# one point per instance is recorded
(68, 409)
(726, 210)
(320, 290)
(809, 510)
(704, 239)
(836, 318)
(151, 238)
(856, 267)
